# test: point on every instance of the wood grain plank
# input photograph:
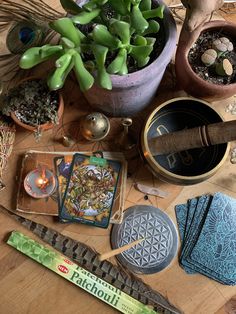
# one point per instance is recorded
(26, 287)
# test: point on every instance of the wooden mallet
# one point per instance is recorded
(202, 136)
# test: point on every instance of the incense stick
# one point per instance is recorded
(79, 276)
(119, 250)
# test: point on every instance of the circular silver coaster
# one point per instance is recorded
(161, 241)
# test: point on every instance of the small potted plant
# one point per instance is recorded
(33, 106)
(206, 61)
(118, 50)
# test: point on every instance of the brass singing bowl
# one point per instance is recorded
(187, 167)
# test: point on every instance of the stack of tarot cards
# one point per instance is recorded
(207, 228)
(86, 189)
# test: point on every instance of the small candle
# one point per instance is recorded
(40, 183)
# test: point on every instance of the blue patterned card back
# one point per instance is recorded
(192, 205)
(215, 248)
(193, 232)
(184, 215)
(191, 226)
(181, 212)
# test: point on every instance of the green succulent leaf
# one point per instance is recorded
(83, 76)
(64, 61)
(67, 43)
(47, 51)
(150, 41)
(138, 22)
(100, 53)
(119, 6)
(70, 7)
(158, 12)
(122, 29)
(66, 28)
(153, 28)
(90, 6)
(143, 51)
(94, 4)
(145, 5)
(32, 57)
(124, 69)
(63, 67)
(140, 40)
(142, 61)
(135, 2)
(128, 4)
(85, 17)
(103, 77)
(116, 65)
(103, 37)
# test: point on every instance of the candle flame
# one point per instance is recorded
(42, 183)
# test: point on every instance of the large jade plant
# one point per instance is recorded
(102, 37)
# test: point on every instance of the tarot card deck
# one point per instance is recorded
(207, 229)
(88, 194)
(59, 163)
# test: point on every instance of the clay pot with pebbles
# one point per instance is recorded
(205, 61)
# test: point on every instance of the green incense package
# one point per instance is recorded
(77, 275)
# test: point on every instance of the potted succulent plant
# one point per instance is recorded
(33, 106)
(112, 47)
(206, 61)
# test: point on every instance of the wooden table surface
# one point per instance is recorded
(27, 287)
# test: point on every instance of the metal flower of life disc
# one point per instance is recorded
(161, 241)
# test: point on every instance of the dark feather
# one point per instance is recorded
(88, 258)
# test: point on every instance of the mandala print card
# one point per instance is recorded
(90, 190)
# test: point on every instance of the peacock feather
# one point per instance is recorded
(22, 25)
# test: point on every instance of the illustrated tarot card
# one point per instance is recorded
(90, 190)
(62, 169)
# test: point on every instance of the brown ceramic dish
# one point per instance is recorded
(186, 167)
(187, 78)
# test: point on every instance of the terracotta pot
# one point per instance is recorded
(45, 126)
(133, 92)
(187, 79)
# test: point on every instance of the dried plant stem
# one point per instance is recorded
(7, 137)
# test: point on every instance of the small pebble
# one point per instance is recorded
(231, 108)
(233, 156)
(233, 160)
(145, 197)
